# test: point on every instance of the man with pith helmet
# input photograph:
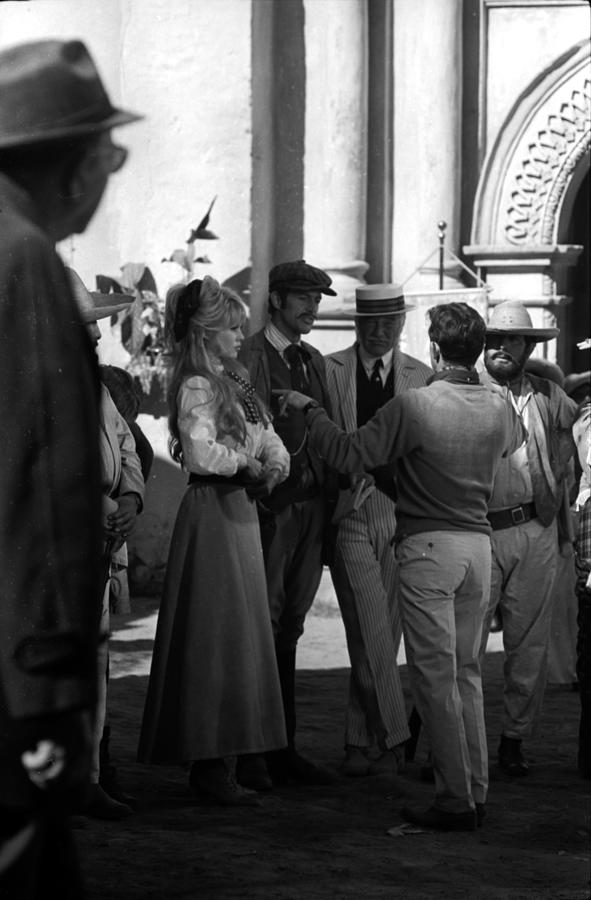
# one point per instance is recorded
(361, 379)
(56, 157)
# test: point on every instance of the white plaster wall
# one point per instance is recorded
(185, 65)
(427, 106)
(335, 149)
(521, 42)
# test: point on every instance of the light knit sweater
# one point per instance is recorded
(446, 439)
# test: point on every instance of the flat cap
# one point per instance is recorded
(300, 276)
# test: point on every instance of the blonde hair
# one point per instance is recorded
(212, 308)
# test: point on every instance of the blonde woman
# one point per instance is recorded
(214, 694)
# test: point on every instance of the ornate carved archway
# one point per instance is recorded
(526, 190)
(542, 146)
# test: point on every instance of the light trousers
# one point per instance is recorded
(364, 577)
(444, 583)
(524, 561)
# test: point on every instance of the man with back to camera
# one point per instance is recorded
(56, 157)
(361, 379)
(527, 495)
(293, 516)
(446, 441)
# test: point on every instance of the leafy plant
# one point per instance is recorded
(142, 325)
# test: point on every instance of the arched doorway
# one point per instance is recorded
(576, 229)
(530, 234)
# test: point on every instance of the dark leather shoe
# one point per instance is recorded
(251, 772)
(440, 820)
(480, 814)
(288, 765)
(511, 759)
(109, 781)
(101, 806)
(389, 762)
(218, 785)
(355, 763)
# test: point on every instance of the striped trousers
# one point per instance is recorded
(364, 577)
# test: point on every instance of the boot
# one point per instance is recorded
(251, 772)
(511, 759)
(212, 779)
(287, 764)
(108, 778)
(100, 806)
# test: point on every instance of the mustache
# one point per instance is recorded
(502, 354)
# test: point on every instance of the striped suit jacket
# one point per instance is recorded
(341, 377)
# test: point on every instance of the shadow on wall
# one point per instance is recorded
(148, 546)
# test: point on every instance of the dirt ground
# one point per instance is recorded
(332, 843)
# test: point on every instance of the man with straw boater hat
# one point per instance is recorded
(360, 380)
(524, 512)
(56, 157)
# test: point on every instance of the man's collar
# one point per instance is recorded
(455, 376)
(277, 339)
(369, 361)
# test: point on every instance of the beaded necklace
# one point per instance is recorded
(246, 394)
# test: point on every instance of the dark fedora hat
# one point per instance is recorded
(51, 90)
(380, 300)
(300, 276)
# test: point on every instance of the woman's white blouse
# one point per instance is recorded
(205, 453)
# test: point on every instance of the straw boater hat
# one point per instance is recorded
(380, 300)
(511, 317)
(94, 305)
(51, 90)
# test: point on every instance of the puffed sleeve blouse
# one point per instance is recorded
(207, 453)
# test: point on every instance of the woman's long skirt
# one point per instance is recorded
(213, 689)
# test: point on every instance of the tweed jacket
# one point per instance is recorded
(50, 516)
(341, 369)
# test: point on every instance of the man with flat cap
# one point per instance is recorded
(56, 157)
(361, 379)
(293, 517)
(528, 494)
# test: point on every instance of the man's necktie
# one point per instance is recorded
(295, 359)
(376, 378)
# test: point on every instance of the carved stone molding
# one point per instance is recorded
(539, 153)
(553, 155)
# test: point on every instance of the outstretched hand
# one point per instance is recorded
(290, 400)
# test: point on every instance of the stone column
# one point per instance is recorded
(335, 154)
(427, 136)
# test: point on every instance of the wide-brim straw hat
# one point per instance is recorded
(51, 90)
(92, 304)
(380, 300)
(511, 317)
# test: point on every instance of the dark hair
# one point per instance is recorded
(459, 330)
(283, 292)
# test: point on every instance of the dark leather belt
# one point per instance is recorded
(508, 518)
(234, 480)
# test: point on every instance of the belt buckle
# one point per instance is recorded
(518, 515)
